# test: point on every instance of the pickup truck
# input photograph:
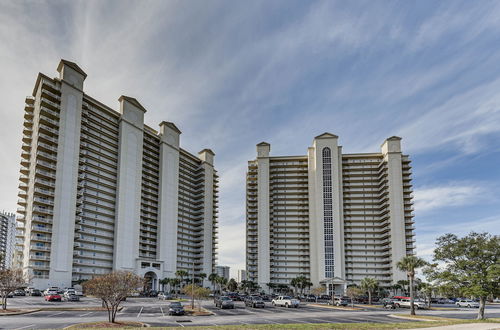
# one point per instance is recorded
(285, 301)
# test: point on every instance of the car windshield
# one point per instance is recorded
(257, 298)
(176, 304)
(286, 297)
(225, 298)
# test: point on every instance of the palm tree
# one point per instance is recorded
(404, 284)
(174, 282)
(396, 287)
(409, 264)
(212, 278)
(164, 282)
(270, 286)
(427, 289)
(232, 285)
(181, 274)
(369, 284)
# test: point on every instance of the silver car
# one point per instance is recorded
(467, 303)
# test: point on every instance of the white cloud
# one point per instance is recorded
(454, 194)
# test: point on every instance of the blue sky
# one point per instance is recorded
(231, 74)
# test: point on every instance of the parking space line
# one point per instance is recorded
(271, 321)
(140, 312)
(55, 314)
(162, 311)
(25, 327)
(322, 320)
(85, 314)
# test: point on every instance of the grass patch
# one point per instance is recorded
(108, 325)
(346, 326)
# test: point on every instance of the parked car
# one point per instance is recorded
(340, 301)
(224, 302)
(254, 301)
(175, 308)
(389, 303)
(164, 296)
(19, 293)
(71, 297)
(310, 298)
(51, 289)
(286, 301)
(467, 303)
(35, 293)
(53, 296)
(496, 300)
(405, 302)
(234, 296)
(325, 297)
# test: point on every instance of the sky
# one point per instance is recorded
(231, 74)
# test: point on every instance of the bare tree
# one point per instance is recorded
(353, 292)
(197, 293)
(10, 280)
(113, 288)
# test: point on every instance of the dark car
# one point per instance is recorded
(325, 297)
(254, 301)
(35, 293)
(19, 293)
(224, 302)
(266, 298)
(310, 298)
(234, 296)
(176, 308)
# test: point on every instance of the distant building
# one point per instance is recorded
(101, 191)
(335, 218)
(242, 275)
(222, 271)
(7, 238)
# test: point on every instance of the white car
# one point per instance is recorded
(467, 303)
(285, 301)
(419, 304)
(496, 300)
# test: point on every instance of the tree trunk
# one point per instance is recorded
(4, 302)
(480, 312)
(412, 306)
(369, 297)
(429, 302)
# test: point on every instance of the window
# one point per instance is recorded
(328, 212)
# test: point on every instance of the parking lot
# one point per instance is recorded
(155, 313)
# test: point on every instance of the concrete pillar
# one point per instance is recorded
(128, 200)
(207, 158)
(63, 226)
(263, 219)
(168, 198)
(391, 149)
(317, 214)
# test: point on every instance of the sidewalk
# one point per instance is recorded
(466, 326)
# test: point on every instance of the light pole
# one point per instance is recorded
(192, 289)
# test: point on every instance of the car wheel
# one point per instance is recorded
(286, 305)
(469, 306)
(416, 307)
(273, 303)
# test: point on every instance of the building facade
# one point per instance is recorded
(223, 271)
(242, 275)
(102, 191)
(332, 217)
(7, 238)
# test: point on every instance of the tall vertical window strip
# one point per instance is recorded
(328, 212)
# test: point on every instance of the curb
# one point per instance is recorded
(74, 326)
(410, 318)
(20, 312)
(336, 307)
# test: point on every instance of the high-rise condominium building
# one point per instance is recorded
(7, 238)
(242, 275)
(332, 217)
(101, 191)
(222, 271)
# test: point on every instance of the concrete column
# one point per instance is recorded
(263, 219)
(63, 226)
(391, 149)
(168, 198)
(317, 211)
(128, 201)
(207, 157)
